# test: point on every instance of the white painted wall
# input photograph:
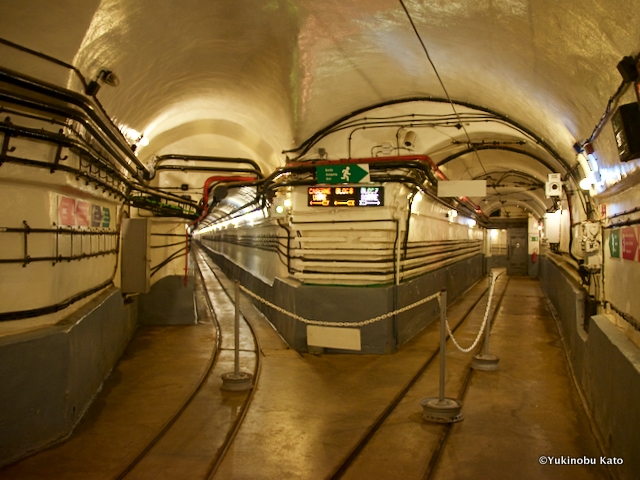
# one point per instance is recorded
(33, 195)
(622, 277)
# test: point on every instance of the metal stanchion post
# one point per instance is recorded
(442, 409)
(237, 381)
(236, 331)
(485, 361)
(443, 342)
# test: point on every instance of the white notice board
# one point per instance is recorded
(462, 188)
(334, 337)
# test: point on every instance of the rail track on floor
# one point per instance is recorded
(209, 284)
(347, 468)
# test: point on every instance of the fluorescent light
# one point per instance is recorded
(587, 182)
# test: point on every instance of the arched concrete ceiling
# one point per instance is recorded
(268, 74)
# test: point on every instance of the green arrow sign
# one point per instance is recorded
(106, 217)
(350, 173)
(614, 243)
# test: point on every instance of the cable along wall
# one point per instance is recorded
(351, 246)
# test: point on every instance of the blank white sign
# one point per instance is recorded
(462, 188)
(334, 337)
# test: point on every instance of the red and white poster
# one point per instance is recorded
(629, 242)
(83, 214)
(78, 213)
(66, 212)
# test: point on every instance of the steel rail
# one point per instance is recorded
(202, 381)
(341, 469)
(231, 434)
(218, 456)
(446, 432)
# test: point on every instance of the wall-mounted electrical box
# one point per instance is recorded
(626, 129)
(591, 246)
(552, 223)
(136, 255)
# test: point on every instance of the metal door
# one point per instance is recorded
(517, 253)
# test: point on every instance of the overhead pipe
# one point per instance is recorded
(188, 168)
(206, 158)
(72, 114)
(74, 69)
(104, 125)
(390, 160)
(63, 141)
(307, 144)
(498, 147)
(46, 57)
(424, 163)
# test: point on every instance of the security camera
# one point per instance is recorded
(409, 139)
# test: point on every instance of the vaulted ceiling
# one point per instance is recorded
(255, 77)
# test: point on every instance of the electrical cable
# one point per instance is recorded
(441, 82)
(605, 116)
(177, 254)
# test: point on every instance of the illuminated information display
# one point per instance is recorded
(345, 196)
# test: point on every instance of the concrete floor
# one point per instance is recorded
(309, 411)
(528, 409)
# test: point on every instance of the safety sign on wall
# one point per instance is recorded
(624, 243)
(351, 173)
(78, 213)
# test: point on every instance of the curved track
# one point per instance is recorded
(166, 445)
(348, 468)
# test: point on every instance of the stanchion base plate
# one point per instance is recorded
(236, 383)
(485, 362)
(445, 411)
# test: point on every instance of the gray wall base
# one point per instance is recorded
(50, 376)
(501, 261)
(496, 261)
(168, 302)
(355, 304)
(606, 365)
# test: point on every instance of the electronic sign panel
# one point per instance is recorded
(345, 196)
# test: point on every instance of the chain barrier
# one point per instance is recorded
(484, 321)
(338, 324)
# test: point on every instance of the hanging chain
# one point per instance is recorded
(484, 321)
(338, 324)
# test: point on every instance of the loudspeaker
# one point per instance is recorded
(628, 69)
(626, 129)
(553, 187)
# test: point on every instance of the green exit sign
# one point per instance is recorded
(345, 173)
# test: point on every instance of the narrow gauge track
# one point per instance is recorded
(211, 373)
(374, 428)
(231, 435)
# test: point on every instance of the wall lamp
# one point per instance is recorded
(589, 164)
(105, 76)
